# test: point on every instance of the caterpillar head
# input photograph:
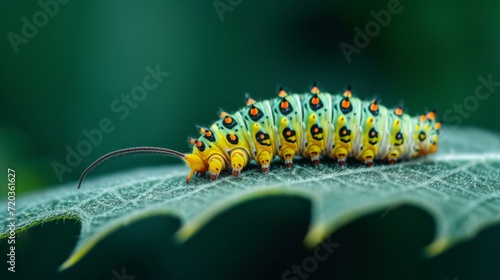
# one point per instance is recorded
(195, 162)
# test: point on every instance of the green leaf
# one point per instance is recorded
(459, 187)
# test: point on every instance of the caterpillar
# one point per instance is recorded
(312, 125)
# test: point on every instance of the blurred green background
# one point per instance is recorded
(64, 79)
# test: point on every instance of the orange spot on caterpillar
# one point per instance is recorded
(284, 104)
(208, 133)
(232, 136)
(202, 130)
(191, 141)
(344, 132)
(223, 114)
(315, 90)
(316, 130)
(374, 105)
(422, 118)
(228, 120)
(261, 136)
(398, 111)
(254, 111)
(346, 103)
(288, 133)
(348, 93)
(282, 93)
(315, 100)
(250, 101)
(431, 115)
(198, 144)
(437, 125)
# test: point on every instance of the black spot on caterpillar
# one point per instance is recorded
(347, 127)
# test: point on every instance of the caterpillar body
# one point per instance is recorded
(312, 125)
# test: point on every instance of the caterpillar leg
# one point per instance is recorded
(216, 164)
(287, 155)
(341, 155)
(393, 156)
(314, 152)
(188, 179)
(264, 159)
(367, 157)
(239, 160)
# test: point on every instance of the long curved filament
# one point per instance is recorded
(133, 150)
